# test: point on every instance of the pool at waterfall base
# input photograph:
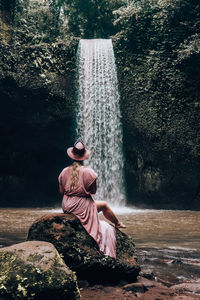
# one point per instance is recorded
(167, 241)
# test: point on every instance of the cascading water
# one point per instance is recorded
(98, 117)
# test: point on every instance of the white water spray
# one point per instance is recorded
(99, 119)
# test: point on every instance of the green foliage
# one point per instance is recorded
(157, 51)
(36, 119)
(157, 47)
(7, 7)
(158, 54)
(36, 23)
(91, 19)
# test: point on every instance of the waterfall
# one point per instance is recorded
(98, 117)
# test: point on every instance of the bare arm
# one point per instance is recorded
(61, 190)
(93, 187)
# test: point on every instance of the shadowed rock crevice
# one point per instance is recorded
(33, 131)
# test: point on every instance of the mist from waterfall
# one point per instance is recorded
(98, 117)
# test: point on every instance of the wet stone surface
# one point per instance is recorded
(81, 252)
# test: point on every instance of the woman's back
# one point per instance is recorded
(86, 177)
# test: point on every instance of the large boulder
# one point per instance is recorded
(80, 251)
(35, 270)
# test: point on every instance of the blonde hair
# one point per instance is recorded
(75, 174)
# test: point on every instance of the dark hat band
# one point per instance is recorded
(79, 152)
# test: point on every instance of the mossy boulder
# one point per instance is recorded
(80, 251)
(35, 270)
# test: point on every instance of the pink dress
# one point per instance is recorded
(79, 202)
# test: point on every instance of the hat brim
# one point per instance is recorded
(76, 156)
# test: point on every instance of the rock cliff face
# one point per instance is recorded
(161, 136)
(81, 252)
(37, 122)
(37, 87)
(157, 56)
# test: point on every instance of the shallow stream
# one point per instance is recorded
(167, 241)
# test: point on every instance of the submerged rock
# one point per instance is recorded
(144, 289)
(35, 270)
(136, 287)
(81, 252)
(192, 287)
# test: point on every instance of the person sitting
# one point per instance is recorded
(77, 183)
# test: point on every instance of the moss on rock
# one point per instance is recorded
(27, 279)
(81, 253)
(37, 87)
(158, 58)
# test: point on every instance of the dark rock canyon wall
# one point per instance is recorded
(37, 77)
(158, 57)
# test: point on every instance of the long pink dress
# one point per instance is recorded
(80, 203)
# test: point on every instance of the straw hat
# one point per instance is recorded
(78, 152)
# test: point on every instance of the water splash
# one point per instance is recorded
(118, 210)
(98, 117)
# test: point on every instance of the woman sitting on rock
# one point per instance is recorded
(76, 184)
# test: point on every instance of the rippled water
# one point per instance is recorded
(167, 242)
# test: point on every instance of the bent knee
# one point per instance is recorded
(102, 205)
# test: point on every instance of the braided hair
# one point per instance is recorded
(75, 174)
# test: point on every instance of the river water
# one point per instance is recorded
(167, 241)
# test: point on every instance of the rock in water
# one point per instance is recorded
(80, 251)
(35, 270)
